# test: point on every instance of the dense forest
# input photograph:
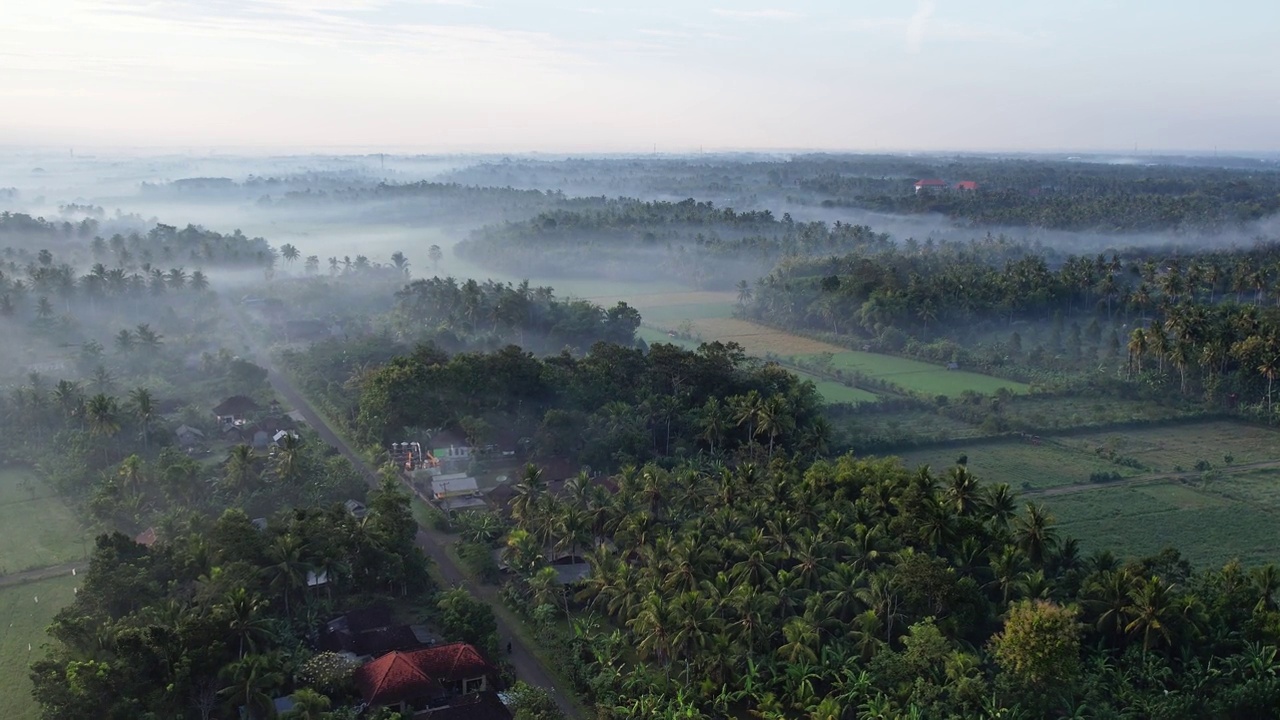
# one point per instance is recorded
(219, 614)
(692, 242)
(612, 406)
(860, 588)
(473, 315)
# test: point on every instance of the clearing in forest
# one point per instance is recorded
(37, 529)
(1021, 464)
(24, 621)
(1166, 449)
(1207, 527)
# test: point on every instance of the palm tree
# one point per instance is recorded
(1137, 347)
(289, 252)
(1153, 612)
(747, 410)
(308, 705)
(435, 254)
(252, 680)
(288, 459)
(744, 293)
(124, 341)
(400, 262)
(199, 281)
(103, 414)
(131, 474)
(243, 612)
(1035, 534)
(241, 475)
(287, 571)
(177, 278)
(143, 407)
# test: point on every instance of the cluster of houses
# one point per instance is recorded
(929, 185)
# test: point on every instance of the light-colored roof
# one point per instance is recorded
(449, 486)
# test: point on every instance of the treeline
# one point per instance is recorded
(220, 616)
(862, 589)
(1211, 311)
(474, 315)
(613, 406)
(689, 241)
(1057, 194)
(162, 243)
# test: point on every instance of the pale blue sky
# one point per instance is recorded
(596, 75)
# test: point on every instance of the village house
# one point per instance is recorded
(439, 682)
(234, 411)
(930, 185)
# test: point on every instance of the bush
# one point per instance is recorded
(478, 558)
(529, 702)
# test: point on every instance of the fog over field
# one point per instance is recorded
(378, 360)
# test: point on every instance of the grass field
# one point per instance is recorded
(1044, 413)
(1020, 464)
(37, 529)
(23, 621)
(1134, 521)
(918, 376)
(1164, 449)
(834, 392)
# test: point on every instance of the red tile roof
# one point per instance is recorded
(393, 678)
(455, 661)
(931, 182)
(399, 676)
(967, 185)
(146, 537)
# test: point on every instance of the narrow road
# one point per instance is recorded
(526, 664)
(44, 573)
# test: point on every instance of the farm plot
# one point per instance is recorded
(834, 392)
(24, 621)
(1165, 449)
(1136, 521)
(37, 528)
(1051, 413)
(647, 298)
(1256, 488)
(921, 377)
(1020, 464)
(911, 426)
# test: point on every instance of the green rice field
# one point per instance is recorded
(24, 621)
(921, 377)
(39, 528)
(1020, 464)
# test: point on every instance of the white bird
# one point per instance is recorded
(37, 598)
(73, 572)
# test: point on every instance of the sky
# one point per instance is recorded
(637, 76)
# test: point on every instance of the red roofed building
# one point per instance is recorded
(930, 184)
(967, 185)
(423, 680)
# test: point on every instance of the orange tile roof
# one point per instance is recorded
(399, 676)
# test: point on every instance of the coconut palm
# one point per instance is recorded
(143, 408)
(240, 471)
(251, 682)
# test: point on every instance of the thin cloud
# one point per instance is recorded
(761, 14)
(917, 24)
(354, 24)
